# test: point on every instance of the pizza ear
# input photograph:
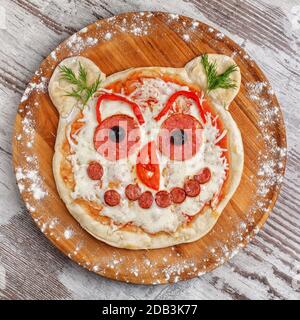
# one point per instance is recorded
(58, 88)
(196, 73)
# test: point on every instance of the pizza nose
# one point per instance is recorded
(147, 166)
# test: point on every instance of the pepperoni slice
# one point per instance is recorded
(133, 192)
(163, 199)
(112, 198)
(180, 137)
(117, 137)
(146, 200)
(178, 195)
(192, 188)
(203, 176)
(95, 170)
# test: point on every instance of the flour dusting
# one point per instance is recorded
(269, 174)
(108, 36)
(68, 233)
(40, 86)
(186, 37)
(33, 181)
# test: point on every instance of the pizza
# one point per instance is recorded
(147, 157)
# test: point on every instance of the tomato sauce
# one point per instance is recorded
(127, 86)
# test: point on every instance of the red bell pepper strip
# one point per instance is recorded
(172, 99)
(114, 97)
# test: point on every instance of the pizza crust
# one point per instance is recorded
(197, 74)
(58, 87)
(203, 222)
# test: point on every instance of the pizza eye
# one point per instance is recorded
(117, 137)
(116, 134)
(180, 137)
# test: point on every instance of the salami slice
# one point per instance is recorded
(178, 195)
(203, 176)
(117, 137)
(133, 192)
(192, 188)
(95, 170)
(180, 137)
(163, 199)
(146, 200)
(112, 198)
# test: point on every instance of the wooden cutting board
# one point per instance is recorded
(152, 39)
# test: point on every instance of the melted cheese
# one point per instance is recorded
(119, 174)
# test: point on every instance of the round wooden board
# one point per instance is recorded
(152, 39)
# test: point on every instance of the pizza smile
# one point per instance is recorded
(147, 154)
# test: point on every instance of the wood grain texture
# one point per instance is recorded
(268, 268)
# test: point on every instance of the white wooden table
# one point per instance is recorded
(269, 268)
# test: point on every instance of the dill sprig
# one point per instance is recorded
(214, 80)
(83, 92)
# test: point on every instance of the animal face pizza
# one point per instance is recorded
(147, 157)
